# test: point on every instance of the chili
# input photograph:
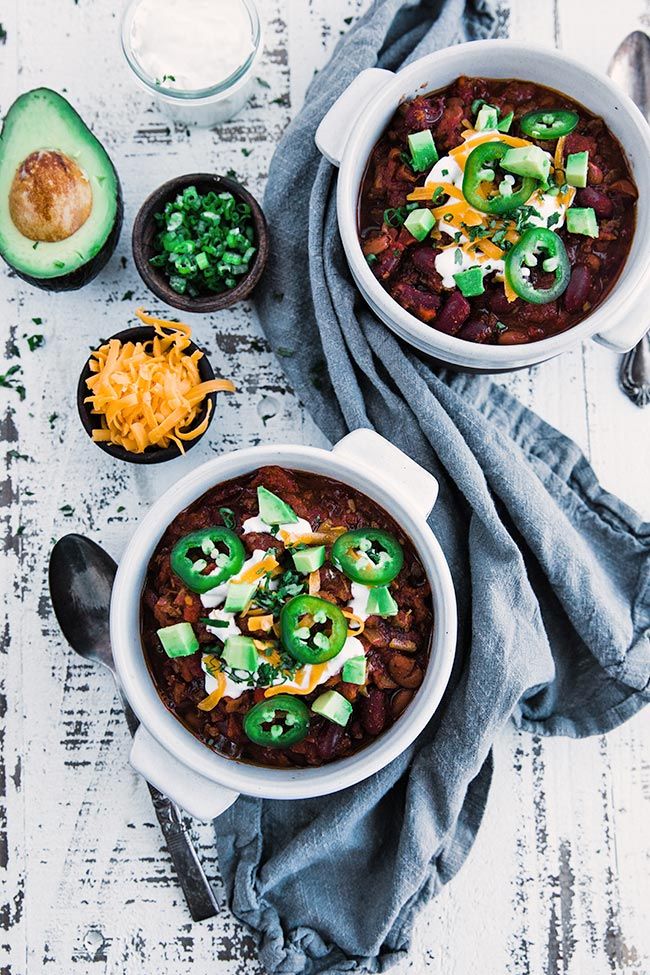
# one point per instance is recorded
(525, 254)
(368, 555)
(303, 629)
(280, 722)
(480, 169)
(191, 570)
(549, 124)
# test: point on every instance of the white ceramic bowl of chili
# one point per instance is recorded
(356, 121)
(201, 781)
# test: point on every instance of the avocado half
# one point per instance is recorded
(60, 196)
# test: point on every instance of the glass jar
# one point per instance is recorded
(198, 106)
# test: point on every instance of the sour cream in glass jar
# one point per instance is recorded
(196, 56)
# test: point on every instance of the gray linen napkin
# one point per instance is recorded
(551, 572)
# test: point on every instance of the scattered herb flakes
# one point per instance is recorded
(263, 83)
(228, 516)
(20, 530)
(246, 152)
(34, 342)
(3, 35)
(67, 510)
(120, 509)
(281, 100)
(348, 20)
(285, 353)
(168, 77)
(59, 264)
(37, 321)
(266, 417)
(52, 418)
(231, 173)
(127, 296)
(30, 494)
(8, 380)
(16, 455)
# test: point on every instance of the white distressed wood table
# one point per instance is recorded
(559, 879)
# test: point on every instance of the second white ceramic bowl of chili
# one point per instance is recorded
(356, 121)
(164, 751)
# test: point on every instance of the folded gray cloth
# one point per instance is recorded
(551, 571)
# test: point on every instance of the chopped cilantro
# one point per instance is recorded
(67, 510)
(34, 341)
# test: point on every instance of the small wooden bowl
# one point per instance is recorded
(152, 455)
(145, 230)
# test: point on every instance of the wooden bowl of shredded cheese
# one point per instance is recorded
(148, 394)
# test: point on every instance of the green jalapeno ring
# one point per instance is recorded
(349, 548)
(477, 166)
(523, 255)
(287, 717)
(313, 646)
(549, 123)
(190, 571)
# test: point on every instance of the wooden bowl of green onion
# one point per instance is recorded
(200, 242)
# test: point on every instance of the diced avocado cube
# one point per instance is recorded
(273, 510)
(506, 122)
(582, 220)
(239, 596)
(423, 150)
(239, 653)
(334, 707)
(307, 560)
(380, 602)
(470, 281)
(487, 118)
(354, 670)
(575, 171)
(419, 223)
(527, 161)
(202, 261)
(178, 640)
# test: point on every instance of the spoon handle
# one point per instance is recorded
(198, 892)
(635, 372)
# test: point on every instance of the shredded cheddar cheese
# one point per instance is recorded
(324, 537)
(352, 618)
(310, 678)
(314, 582)
(149, 394)
(255, 572)
(460, 153)
(211, 701)
(263, 624)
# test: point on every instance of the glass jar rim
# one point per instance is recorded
(198, 93)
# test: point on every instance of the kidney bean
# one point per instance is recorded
(453, 313)
(481, 330)
(514, 336)
(405, 670)
(578, 290)
(373, 711)
(624, 186)
(592, 261)
(420, 303)
(601, 203)
(328, 741)
(400, 701)
(579, 143)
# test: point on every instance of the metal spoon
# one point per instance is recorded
(81, 577)
(630, 69)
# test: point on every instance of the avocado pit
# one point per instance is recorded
(50, 196)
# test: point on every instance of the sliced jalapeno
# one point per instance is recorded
(312, 630)
(279, 722)
(482, 185)
(368, 555)
(193, 554)
(534, 246)
(549, 124)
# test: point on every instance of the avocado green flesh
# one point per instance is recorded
(42, 119)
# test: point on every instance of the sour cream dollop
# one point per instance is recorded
(191, 44)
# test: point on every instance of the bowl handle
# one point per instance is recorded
(367, 448)
(624, 336)
(198, 796)
(335, 128)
